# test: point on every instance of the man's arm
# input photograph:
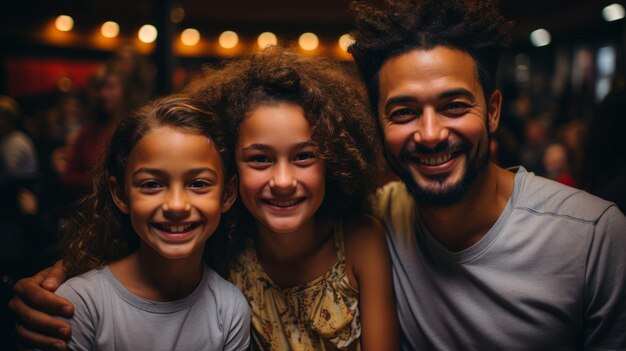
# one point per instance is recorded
(34, 303)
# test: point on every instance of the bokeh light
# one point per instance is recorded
(110, 29)
(147, 33)
(345, 41)
(190, 37)
(540, 37)
(64, 23)
(228, 39)
(266, 39)
(308, 41)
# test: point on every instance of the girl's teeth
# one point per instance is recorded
(176, 228)
(283, 204)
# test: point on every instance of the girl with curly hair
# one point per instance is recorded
(140, 235)
(314, 268)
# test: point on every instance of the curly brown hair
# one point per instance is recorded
(97, 232)
(334, 104)
(399, 26)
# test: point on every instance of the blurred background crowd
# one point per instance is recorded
(71, 69)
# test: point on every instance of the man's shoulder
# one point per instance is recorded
(545, 196)
(395, 207)
(390, 197)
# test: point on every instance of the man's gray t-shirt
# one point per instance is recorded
(549, 275)
(215, 316)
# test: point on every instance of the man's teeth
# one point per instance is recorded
(434, 161)
(283, 203)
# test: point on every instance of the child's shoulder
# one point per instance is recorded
(363, 234)
(86, 286)
(224, 290)
(363, 228)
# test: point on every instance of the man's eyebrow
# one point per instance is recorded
(402, 99)
(456, 93)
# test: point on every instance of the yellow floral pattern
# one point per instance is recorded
(320, 315)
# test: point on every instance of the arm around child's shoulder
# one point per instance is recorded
(367, 259)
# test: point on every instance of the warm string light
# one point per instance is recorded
(308, 41)
(266, 39)
(345, 41)
(228, 39)
(64, 23)
(190, 37)
(110, 29)
(147, 33)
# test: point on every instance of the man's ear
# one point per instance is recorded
(117, 193)
(495, 106)
(230, 194)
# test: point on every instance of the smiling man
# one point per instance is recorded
(484, 258)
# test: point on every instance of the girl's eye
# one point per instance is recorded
(403, 115)
(199, 184)
(304, 159)
(259, 159)
(151, 184)
(304, 156)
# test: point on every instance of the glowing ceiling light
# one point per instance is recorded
(228, 39)
(266, 39)
(613, 12)
(345, 41)
(190, 37)
(147, 33)
(540, 37)
(110, 29)
(64, 23)
(308, 41)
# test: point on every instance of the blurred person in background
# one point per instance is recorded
(17, 152)
(113, 100)
(604, 171)
(535, 141)
(139, 71)
(557, 164)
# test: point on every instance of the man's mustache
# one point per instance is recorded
(444, 146)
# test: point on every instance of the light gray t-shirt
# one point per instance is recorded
(549, 275)
(215, 316)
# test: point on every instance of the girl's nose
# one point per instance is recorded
(283, 178)
(176, 204)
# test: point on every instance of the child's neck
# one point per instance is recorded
(292, 259)
(283, 248)
(151, 276)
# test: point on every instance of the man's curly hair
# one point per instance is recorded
(396, 27)
(334, 104)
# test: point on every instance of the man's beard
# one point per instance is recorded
(443, 195)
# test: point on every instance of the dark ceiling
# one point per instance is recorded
(564, 18)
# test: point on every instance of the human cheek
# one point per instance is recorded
(250, 183)
(396, 137)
